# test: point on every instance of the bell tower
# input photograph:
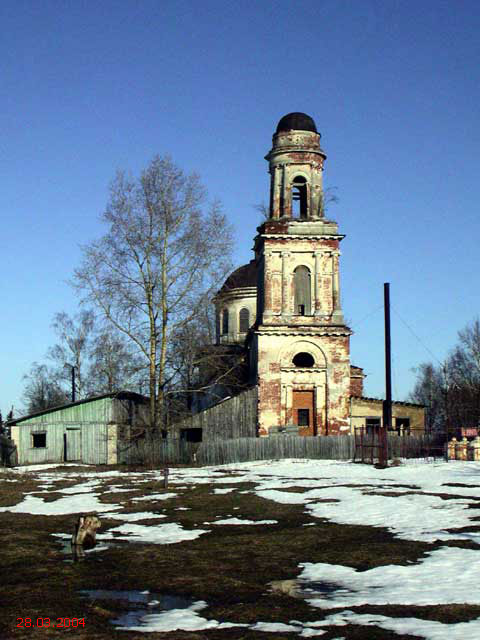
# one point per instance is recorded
(300, 345)
(296, 167)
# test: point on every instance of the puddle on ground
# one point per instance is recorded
(135, 601)
(320, 588)
(67, 550)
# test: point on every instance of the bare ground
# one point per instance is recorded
(230, 568)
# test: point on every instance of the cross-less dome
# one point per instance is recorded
(298, 121)
(244, 276)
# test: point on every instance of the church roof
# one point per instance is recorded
(298, 121)
(244, 276)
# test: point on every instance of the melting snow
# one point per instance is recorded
(155, 496)
(168, 533)
(336, 491)
(84, 487)
(415, 584)
(239, 521)
(80, 503)
(133, 517)
(428, 629)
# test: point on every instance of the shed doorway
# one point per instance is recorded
(303, 412)
(73, 445)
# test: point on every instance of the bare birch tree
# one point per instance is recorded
(113, 364)
(72, 349)
(42, 391)
(160, 259)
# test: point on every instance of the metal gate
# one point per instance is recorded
(376, 446)
(371, 447)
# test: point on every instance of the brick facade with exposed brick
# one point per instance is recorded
(300, 342)
(297, 345)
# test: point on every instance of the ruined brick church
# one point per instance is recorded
(283, 309)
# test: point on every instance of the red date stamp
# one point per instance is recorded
(55, 623)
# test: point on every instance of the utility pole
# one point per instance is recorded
(387, 410)
(72, 367)
(73, 383)
(387, 404)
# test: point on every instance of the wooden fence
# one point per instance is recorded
(157, 452)
(176, 451)
(233, 418)
(276, 448)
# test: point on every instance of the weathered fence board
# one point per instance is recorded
(278, 447)
(232, 418)
(157, 452)
(176, 451)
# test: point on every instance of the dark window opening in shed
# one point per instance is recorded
(225, 322)
(402, 426)
(303, 417)
(244, 320)
(301, 279)
(373, 425)
(303, 359)
(191, 435)
(39, 440)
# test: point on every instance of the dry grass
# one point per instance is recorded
(229, 568)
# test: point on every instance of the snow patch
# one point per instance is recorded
(168, 533)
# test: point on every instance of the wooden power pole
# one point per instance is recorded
(387, 404)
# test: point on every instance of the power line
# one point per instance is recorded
(371, 313)
(394, 375)
(417, 338)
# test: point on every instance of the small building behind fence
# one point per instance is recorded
(98, 430)
(407, 418)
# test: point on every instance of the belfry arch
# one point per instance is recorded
(299, 195)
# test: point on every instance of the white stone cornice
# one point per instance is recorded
(294, 369)
(324, 236)
(293, 331)
(233, 294)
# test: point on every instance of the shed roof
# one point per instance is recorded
(397, 402)
(120, 395)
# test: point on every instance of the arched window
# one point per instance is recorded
(225, 322)
(303, 359)
(244, 318)
(301, 279)
(299, 197)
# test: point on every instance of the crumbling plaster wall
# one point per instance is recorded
(282, 255)
(295, 153)
(329, 379)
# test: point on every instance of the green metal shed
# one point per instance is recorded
(96, 430)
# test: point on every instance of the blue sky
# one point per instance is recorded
(88, 87)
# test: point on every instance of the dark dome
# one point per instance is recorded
(244, 276)
(299, 121)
